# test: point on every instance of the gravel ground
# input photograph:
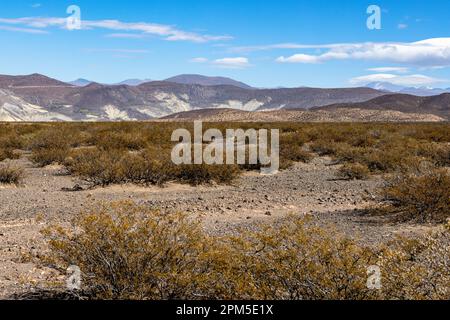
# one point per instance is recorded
(305, 189)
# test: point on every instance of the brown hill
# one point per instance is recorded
(437, 105)
(207, 81)
(333, 115)
(32, 80)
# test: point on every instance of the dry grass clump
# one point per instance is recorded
(353, 171)
(422, 196)
(10, 174)
(129, 252)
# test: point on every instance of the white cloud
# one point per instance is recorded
(283, 46)
(167, 32)
(138, 51)
(36, 5)
(426, 53)
(23, 30)
(406, 80)
(390, 69)
(126, 35)
(402, 26)
(199, 60)
(232, 63)
(226, 63)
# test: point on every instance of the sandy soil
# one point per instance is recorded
(304, 189)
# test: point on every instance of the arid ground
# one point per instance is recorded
(332, 172)
(304, 189)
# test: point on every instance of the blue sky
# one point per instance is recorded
(264, 43)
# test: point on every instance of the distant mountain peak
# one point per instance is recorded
(207, 81)
(417, 91)
(133, 82)
(80, 82)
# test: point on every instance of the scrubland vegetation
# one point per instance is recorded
(113, 153)
(131, 252)
(104, 154)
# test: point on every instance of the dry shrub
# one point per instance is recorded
(130, 252)
(353, 171)
(438, 153)
(417, 269)
(45, 157)
(323, 147)
(50, 146)
(8, 154)
(12, 141)
(294, 153)
(9, 143)
(150, 167)
(121, 140)
(97, 167)
(197, 174)
(127, 252)
(11, 174)
(422, 196)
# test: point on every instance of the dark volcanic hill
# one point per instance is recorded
(36, 97)
(437, 105)
(207, 81)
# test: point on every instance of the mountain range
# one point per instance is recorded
(39, 98)
(436, 105)
(417, 91)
